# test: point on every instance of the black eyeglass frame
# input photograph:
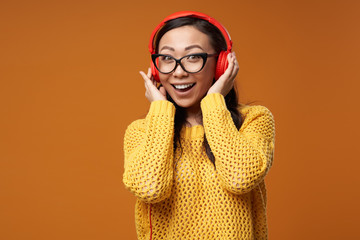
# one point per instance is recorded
(204, 56)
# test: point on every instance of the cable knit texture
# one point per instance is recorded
(181, 195)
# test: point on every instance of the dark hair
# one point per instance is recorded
(218, 42)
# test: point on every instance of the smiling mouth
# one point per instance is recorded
(183, 87)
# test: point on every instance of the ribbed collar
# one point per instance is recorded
(196, 131)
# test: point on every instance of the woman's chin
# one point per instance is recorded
(186, 103)
(183, 104)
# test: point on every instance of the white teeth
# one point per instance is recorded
(183, 86)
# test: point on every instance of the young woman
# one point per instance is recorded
(198, 160)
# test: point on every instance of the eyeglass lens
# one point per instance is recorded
(192, 63)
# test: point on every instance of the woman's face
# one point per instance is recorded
(179, 42)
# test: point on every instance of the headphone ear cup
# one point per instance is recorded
(154, 72)
(222, 64)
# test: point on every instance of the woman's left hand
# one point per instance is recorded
(226, 81)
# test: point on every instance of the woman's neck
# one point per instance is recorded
(193, 115)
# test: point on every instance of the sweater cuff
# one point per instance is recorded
(162, 107)
(211, 101)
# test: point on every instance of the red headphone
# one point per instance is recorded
(222, 62)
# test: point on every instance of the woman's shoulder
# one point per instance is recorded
(138, 125)
(250, 110)
(257, 116)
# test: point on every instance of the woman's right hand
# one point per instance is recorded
(152, 93)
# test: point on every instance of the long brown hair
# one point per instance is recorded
(219, 44)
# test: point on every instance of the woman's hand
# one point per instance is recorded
(152, 93)
(226, 81)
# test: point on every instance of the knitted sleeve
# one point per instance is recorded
(242, 157)
(148, 149)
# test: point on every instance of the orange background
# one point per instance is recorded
(69, 86)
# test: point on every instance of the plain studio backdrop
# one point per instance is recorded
(69, 86)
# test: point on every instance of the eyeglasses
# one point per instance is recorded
(191, 63)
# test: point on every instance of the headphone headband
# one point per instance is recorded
(199, 15)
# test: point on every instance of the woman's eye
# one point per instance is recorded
(166, 58)
(193, 58)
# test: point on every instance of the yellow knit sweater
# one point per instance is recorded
(181, 195)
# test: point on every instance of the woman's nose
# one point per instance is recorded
(180, 72)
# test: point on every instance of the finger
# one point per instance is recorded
(150, 76)
(235, 67)
(144, 76)
(146, 79)
(235, 60)
(231, 60)
(149, 73)
(229, 68)
(233, 73)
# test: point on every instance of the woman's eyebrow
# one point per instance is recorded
(186, 49)
(167, 47)
(193, 46)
